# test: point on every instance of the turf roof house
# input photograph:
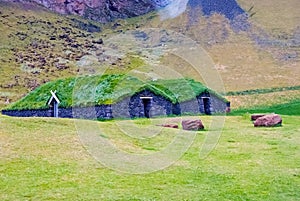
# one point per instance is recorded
(118, 96)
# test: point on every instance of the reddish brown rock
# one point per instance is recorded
(194, 125)
(169, 125)
(268, 120)
(256, 116)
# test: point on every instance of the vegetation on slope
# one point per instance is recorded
(279, 18)
(37, 46)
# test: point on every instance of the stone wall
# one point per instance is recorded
(131, 107)
(189, 107)
(121, 109)
(196, 106)
(92, 112)
(159, 105)
(28, 113)
(218, 105)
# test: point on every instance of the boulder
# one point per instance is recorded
(256, 116)
(268, 120)
(194, 125)
(169, 125)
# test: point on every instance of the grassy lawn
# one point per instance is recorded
(43, 159)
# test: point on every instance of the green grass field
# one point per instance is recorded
(43, 159)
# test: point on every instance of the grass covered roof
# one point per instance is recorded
(108, 89)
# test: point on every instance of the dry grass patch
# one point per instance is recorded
(268, 99)
(275, 16)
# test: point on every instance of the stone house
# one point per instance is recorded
(147, 104)
(151, 100)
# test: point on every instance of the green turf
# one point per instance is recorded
(43, 159)
(108, 89)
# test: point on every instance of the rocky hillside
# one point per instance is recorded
(101, 10)
(108, 10)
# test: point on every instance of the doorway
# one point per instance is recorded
(146, 101)
(54, 109)
(206, 104)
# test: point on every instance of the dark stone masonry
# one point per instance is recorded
(92, 112)
(143, 104)
(147, 104)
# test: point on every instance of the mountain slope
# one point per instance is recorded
(102, 10)
(108, 10)
(39, 46)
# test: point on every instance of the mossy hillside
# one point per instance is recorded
(108, 89)
(28, 35)
(35, 47)
(17, 79)
(38, 46)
